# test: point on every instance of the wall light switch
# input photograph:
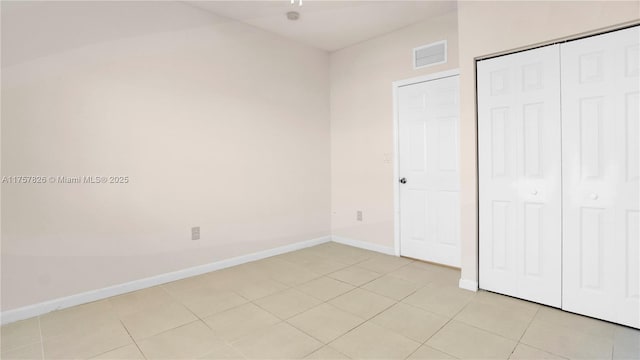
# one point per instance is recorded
(195, 233)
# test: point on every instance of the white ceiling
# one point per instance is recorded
(33, 29)
(329, 25)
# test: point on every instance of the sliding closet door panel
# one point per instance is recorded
(600, 113)
(519, 174)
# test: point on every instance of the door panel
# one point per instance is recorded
(428, 142)
(502, 231)
(600, 87)
(519, 175)
(533, 213)
(632, 271)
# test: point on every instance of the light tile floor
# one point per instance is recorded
(326, 302)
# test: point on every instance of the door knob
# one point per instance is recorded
(534, 192)
(594, 196)
(403, 181)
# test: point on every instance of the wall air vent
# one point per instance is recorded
(429, 55)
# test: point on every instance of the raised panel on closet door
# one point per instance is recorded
(519, 174)
(600, 115)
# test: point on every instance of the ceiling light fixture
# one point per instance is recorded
(294, 1)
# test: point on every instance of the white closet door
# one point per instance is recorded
(428, 146)
(600, 106)
(519, 175)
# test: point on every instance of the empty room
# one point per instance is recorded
(315, 179)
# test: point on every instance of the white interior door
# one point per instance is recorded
(519, 175)
(428, 161)
(600, 96)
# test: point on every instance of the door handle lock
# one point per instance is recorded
(594, 196)
(534, 192)
(403, 181)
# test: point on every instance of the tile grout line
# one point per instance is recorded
(491, 332)
(613, 342)
(322, 303)
(202, 321)
(183, 305)
(518, 341)
(429, 312)
(134, 341)
(442, 327)
(205, 323)
(330, 272)
(527, 328)
(334, 271)
(228, 343)
(288, 287)
(280, 320)
(41, 338)
(322, 347)
(378, 313)
(196, 315)
(525, 331)
(397, 301)
(327, 302)
(546, 351)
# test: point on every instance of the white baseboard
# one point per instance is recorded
(364, 245)
(99, 294)
(468, 285)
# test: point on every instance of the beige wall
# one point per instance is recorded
(217, 124)
(491, 27)
(362, 125)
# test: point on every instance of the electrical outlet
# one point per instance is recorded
(359, 215)
(195, 233)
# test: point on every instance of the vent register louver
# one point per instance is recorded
(429, 55)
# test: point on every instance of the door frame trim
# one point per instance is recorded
(395, 86)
